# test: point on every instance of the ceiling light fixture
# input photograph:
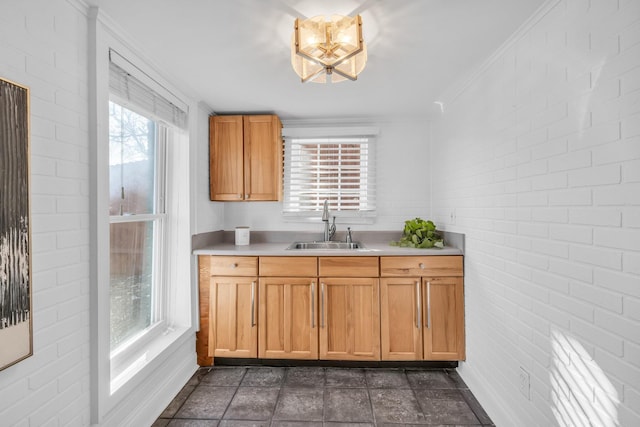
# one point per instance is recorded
(324, 51)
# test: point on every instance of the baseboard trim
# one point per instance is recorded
(228, 361)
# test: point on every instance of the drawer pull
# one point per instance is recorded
(421, 265)
(428, 305)
(418, 311)
(322, 305)
(313, 303)
(253, 303)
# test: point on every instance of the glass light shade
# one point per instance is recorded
(328, 50)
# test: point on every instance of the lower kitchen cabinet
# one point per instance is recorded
(398, 308)
(349, 319)
(288, 318)
(443, 303)
(401, 318)
(233, 330)
(228, 307)
(422, 314)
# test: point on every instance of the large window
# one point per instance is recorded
(338, 169)
(137, 223)
(145, 127)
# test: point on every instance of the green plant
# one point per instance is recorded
(419, 233)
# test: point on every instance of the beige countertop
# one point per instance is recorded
(275, 244)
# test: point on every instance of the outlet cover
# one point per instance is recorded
(524, 383)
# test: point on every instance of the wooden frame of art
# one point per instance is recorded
(16, 327)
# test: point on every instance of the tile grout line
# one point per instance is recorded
(233, 396)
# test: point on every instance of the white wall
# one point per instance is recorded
(44, 46)
(403, 187)
(208, 215)
(537, 161)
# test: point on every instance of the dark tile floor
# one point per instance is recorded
(322, 396)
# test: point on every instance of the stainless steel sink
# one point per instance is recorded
(326, 245)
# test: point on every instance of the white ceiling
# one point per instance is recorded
(234, 55)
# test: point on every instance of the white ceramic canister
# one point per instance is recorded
(242, 235)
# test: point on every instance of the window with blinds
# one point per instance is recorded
(338, 169)
(148, 96)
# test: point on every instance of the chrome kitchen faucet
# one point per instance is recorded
(329, 231)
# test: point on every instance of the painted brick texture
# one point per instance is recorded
(43, 45)
(553, 230)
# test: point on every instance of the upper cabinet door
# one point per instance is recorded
(262, 158)
(245, 158)
(226, 158)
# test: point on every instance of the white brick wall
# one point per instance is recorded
(43, 45)
(553, 254)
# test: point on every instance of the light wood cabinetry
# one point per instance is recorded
(443, 311)
(334, 308)
(288, 319)
(400, 329)
(349, 308)
(232, 315)
(245, 158)
(422, 300)
(349, 318)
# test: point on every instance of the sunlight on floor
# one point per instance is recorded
(582, 395)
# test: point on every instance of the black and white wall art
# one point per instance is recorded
(16, 330)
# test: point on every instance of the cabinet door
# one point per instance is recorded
(233, 315)
(400, 314)
(288, 318)
(226, 158)
(262, 158)
(349, 319)
(443, 318)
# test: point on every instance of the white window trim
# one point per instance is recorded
(128, 353)
(348, 216)
(148, 381)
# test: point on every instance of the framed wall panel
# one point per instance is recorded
(16, 330)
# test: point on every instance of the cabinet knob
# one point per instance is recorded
(239, 196)
(246, 196)
(421, 265)
(234, 265)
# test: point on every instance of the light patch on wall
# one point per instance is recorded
(581, 392)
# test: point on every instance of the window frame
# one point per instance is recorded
(331, 135)
(125, 354)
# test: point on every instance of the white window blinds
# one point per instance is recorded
(338, 169)
(133, 92)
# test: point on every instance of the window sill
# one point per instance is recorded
(146, 357)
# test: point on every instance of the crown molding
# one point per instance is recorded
(81, 5)
(453, 92)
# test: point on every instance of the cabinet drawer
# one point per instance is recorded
(292, 266)
(448, 265)
(234, 265)
(351, 266)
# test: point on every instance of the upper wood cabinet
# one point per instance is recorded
(245, 162)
